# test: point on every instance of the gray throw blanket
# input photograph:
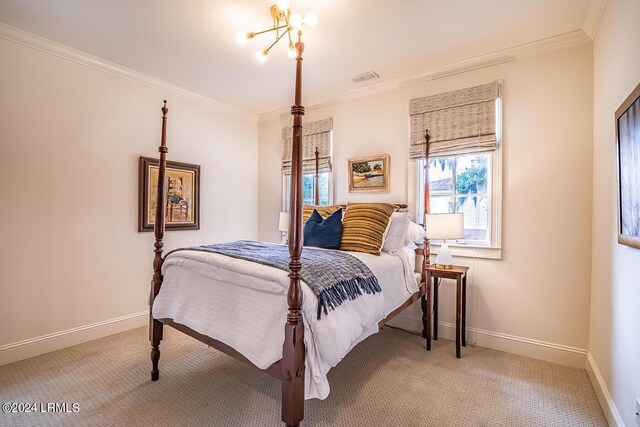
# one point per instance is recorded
(333, 276)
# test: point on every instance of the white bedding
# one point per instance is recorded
(243, 304)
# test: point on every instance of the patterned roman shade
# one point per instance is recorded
(459, 122)
(314, 135)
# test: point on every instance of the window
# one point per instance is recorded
(316, 152)
(308, 189)
(459, 184)
(465, 162)
(468, 184)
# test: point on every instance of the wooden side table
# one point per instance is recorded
(459, 274)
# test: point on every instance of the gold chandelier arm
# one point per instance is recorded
(277, 40)
(255, 33)
(287, 17)
(289, 34)
(281, 26)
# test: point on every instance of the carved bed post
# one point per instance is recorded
(427, 193)
(293, 348)
(155, 326)
(425, 302)
(317, 180)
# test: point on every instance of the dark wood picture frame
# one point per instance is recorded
(183, 206)
(628, 165)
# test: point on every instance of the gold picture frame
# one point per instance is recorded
(369, 174)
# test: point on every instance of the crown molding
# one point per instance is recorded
(59, 50)
(540, 47)
(594, 15)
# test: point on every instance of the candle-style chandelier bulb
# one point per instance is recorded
(310, 19)
(242, 38)
(296, 21)
(283, 4)
(261, 55)
(292, 51)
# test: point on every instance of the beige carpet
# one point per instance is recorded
(388, 380)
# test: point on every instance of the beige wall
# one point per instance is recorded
(539, 291)
(70, 138)
(614, 339)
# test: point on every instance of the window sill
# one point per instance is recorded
(484, 252)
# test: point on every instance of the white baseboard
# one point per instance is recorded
(44, 344)
(556, 353)
(604, 397)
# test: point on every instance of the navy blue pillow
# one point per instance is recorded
(323, 233)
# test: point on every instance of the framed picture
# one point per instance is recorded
(369, 174)
(628, 150)
(182, 205)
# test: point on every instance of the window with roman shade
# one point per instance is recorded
(315, 135)
(459, 122)
(464, 162)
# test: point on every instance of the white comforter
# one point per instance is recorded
(243, 304)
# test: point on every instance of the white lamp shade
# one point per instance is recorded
(444, 226)
(283, 223)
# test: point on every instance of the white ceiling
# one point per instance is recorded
(192, 43)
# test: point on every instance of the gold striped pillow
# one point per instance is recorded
(324, 211)
(363, 227)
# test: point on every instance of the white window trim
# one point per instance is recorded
(494, 250)
(285, 190)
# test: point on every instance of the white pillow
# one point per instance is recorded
(415, 233)
(395, 235)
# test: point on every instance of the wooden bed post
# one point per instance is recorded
(425, 302)
(427, 251)
(293, 351)
(317, 180)
(155, 326)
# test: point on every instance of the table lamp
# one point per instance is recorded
(283, 226)
(442, 227)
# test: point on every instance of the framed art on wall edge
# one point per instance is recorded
(182, 206)
(628, 159)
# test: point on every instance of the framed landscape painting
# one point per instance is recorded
(369, 174)
(628, 144)
(182, 205)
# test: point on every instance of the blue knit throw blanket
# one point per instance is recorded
(333, 276)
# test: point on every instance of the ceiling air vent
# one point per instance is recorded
(371, 75)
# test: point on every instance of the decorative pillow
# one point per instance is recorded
(364, 225)
(414, 233)
(324, 211)
(394, 239)
(323, 233)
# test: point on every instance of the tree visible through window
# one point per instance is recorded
(461, 184)
(308, 189)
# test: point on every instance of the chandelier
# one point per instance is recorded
(283, 23)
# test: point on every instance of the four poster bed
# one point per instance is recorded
(237, 306)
